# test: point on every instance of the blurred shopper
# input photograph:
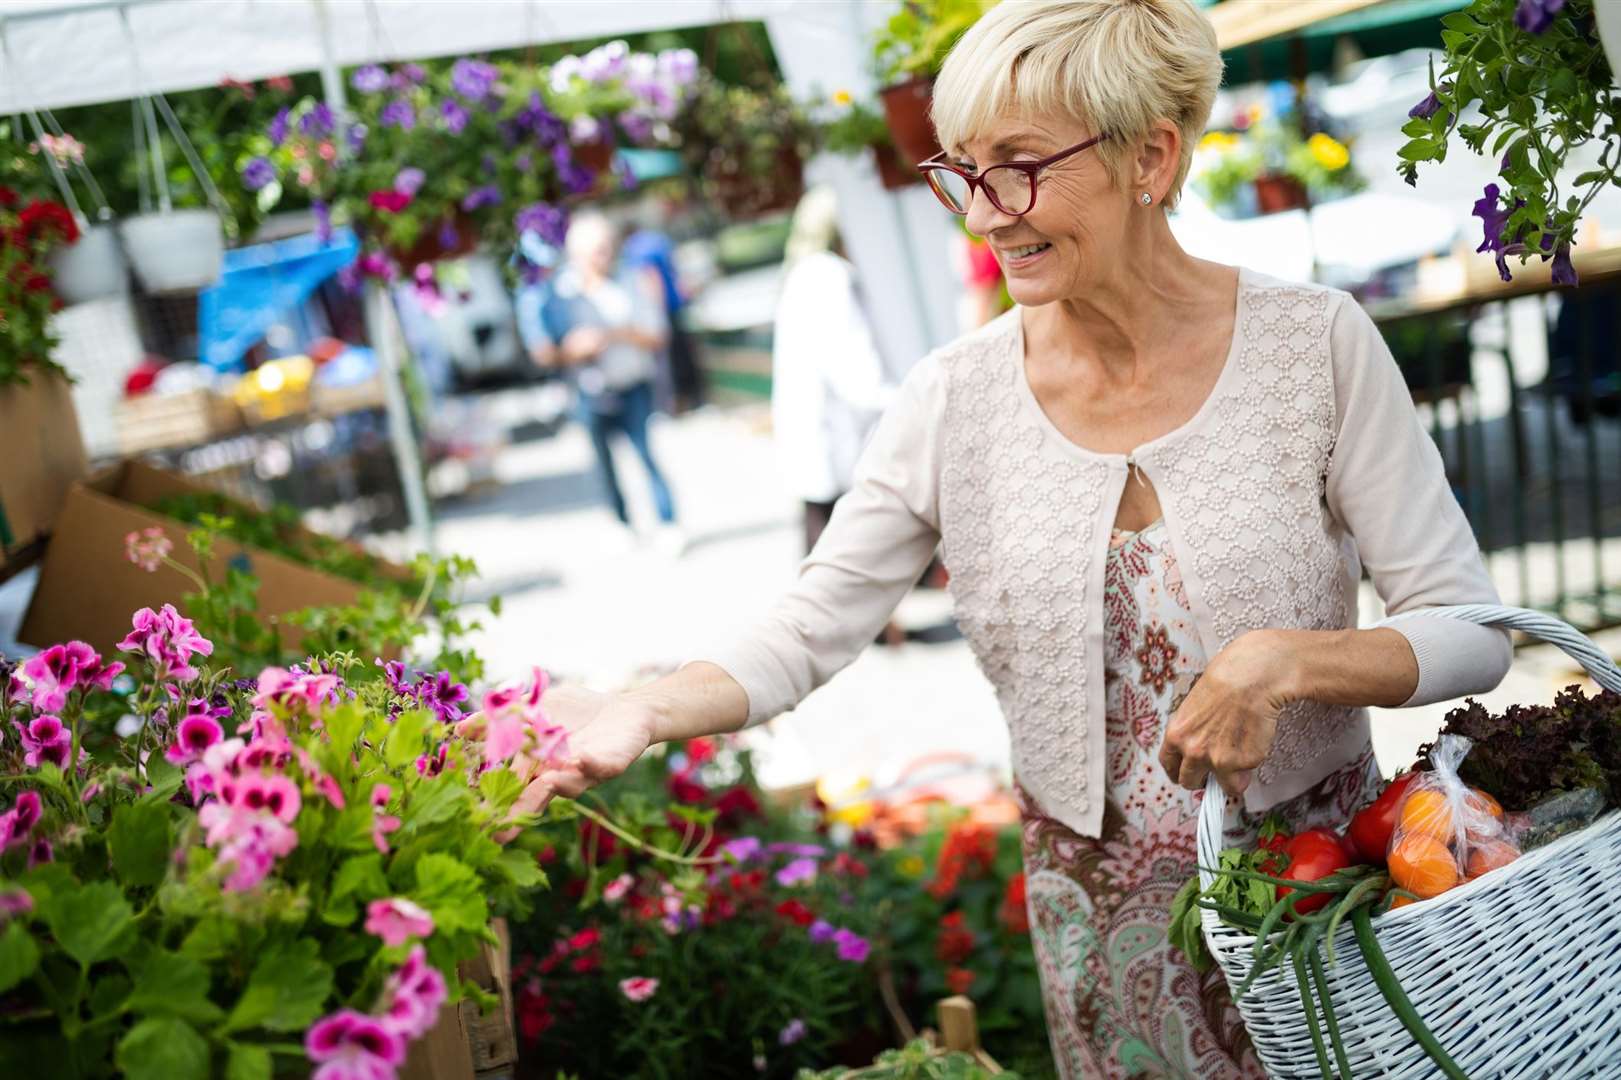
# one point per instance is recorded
(680, 381)
(604, 328)
(827, 379)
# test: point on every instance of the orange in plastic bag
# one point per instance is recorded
(1447, 832)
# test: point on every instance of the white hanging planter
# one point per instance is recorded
(91, 269)
(1608, 15)
(177, 251)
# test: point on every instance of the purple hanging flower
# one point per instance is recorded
(584, 129)
(1494, 218)
(278, 127)
(376, 264)
(407, 76)
(575, 178)
(680, 66)
(258, 173)
(317, 123)
(480, 197)
(638, 127)
(356, 137)
(548, 222)
(323, 220)
(473, 79)
(409, 180)
(448, 239)
(1563, 272)
(370, 79)
(454, 116)
(1430, 105)
(398, 113)
(535, 117)
(1535, 16)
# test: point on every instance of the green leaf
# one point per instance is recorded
(92, 923)
(247, 1063)
(19, 956)
(343, 724)
(138, 841)
(500, 787)
(164, 777)
(210, 939)
(173, 984)
(1591, 177)
(287, 990)
(1416, 128)
(1461, 22)
(108, 994)
(450, 890)
(522, 868)
(1419, 150)
(405, 743)
(163, 1049)
(1454, 40)
(359, 878)
(351, 831)
(436, 800)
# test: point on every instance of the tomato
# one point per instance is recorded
(1488, 856)
(1313, 854)
(1368, 835)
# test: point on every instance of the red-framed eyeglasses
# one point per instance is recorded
(1011, 187)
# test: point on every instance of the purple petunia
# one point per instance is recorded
(356, 137)
(1563, 272)
(1430, 105)
(398, 113)
(454, 116)
(409, 180)
(548, 222)
(480, 197)
(370, 79)
(1494, 218)
(407, 76)
(258, 173)
(822, 931)
(575, 178)
(473, 79)
(278, 127)
(1535, 16)
(317, 123)
(323, 220)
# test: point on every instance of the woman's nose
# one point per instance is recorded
(983, 217)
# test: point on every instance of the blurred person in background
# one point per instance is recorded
(603, 326)
(679, 383)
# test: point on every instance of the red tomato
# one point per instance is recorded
(1313, 854)
(1368, 835)
(1276, 843)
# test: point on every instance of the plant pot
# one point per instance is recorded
(893, 171)
(906, 108)
(596, 155)
(430, 246)
(744, 195)
(92, 269)
(1275, 193)
(178, 251)
(1608, 16)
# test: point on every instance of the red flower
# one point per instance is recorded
(546, 855)
(864, 840)
(584, 939)
(391, 202)
(37, 283)
(845, 863)
(969, 849)
(41, 218)
(720, 907)
(959, 980)
(798, 912)
(1015, 916)
(586, 963)
(594, 837)
(8, 197)
(699, 750)
(686, 790)
(534, 1013)
(956, 942)
(737, 802)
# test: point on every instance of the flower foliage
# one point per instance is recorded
(29, 231)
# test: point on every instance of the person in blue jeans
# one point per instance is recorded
(604, 328)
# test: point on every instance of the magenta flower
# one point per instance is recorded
(51, 676)
(798, 872)
(19, 821)
(167, 640)
(852, 946)
(45, 738)
(14, 902)
(743, 848)
(382, 824)
(811, 851)
(296, 692)
(390, 202)
(195, 734)
(639, 987)
(397, 920)
(148, 547)
(412, 996)
(515, 724)
(615, 890)
(351, 1046)
(40, 853)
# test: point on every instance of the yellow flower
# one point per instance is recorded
(912, 866)
(1328, 152)
(1218, 141)
(842, 97)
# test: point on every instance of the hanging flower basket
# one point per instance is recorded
(92, 269)
(906, 108)
(1276, 192)
(175, 252)
(454, 239)
(745, 194)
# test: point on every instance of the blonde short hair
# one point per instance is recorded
(1118, 65)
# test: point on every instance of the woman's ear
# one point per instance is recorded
(1158, 156)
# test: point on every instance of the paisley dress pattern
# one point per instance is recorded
(1119, 1001)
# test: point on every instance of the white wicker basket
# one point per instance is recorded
(1516, 973)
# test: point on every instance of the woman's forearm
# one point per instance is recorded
(698, 699)
(1354, 668)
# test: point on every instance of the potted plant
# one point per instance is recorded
(614, 95)
(908, 52)
(93, 267)
(749, 145)
(849, 127)
(1539, 75)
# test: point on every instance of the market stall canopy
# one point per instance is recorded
(78, 52)
(1256, 36)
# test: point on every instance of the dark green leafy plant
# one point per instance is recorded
(918, 36)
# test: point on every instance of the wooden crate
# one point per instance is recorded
(162, 421)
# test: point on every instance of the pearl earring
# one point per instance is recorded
(1148, 199)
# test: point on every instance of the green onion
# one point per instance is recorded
(1385, 979)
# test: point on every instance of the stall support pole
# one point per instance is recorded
(383, 331)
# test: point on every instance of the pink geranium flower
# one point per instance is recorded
(352, 1046)
(381, 824)
(45, 738)
(40, 853)
(51, 676)
(19, 821)
(638, 987)
(397, 920)
(14, 902)
(148, 548)
(193, 735)
(167, 640)
(615, 890)
(412, 996)
(296, 691)
(516, 725)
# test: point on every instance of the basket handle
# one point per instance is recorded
(1540, 625)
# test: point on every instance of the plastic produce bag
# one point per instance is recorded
(1447, 832)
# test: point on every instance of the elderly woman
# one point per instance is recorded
(1157, 482)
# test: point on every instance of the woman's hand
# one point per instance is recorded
(606, 734)
(1226, 723)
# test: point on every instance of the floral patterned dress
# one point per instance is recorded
(1120, 1001)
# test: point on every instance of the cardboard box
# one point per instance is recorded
(42, 457)
(160, 421)
(466, 1044)
(88, 588)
